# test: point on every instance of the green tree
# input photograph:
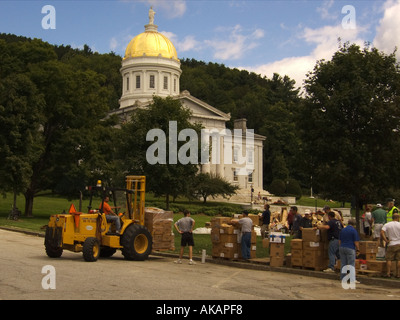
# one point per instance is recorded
(164, 178)
(20, 105)
(350, 123)
(74, 101)
(206, 185)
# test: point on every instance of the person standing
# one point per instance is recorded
(378, 220)
(367, 221)
(391, 210)
(185, 227)
(305, 222)
(348, 248)
(391, 235)
(266, 220)
(290, 218)
(296, 223)
(246, 225)
(334, 227)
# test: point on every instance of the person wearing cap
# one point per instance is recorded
(246, 226)
(391, 210)
(391, 235)
(348, 248)
(378, 220)
(305, 222)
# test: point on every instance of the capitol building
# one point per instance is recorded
(150, 68)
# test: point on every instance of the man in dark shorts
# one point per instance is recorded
(185, 227)
(391, 235)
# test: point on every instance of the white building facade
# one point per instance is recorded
(150, 68)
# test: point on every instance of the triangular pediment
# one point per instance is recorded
(201, 109)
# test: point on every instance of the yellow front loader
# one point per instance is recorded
(90, 232)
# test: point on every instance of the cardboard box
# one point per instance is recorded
(277, 250)
(314, 259)
(376, 265)
(368, 247)
(228, 229)
(296, 253)
(310, 245)
(218, 221)
(312, 235)
(215, 235)
(277, 261)
(228, 238)
(296, 244)
(160, 223)
(297, 261)
(323, 235)
(253, 237)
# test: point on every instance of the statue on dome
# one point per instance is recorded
(151, 15)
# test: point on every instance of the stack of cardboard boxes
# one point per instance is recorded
(276, 249)
(226, 239)
(367, 259)
(159, 223)
(311, 251)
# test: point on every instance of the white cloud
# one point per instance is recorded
(324, 10)
(235, 44)
(326, 43)
(188, 43)
(388, 31)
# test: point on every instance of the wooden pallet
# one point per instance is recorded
(309, 268)
(370, 273)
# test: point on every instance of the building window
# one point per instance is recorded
(250, 177)
(250, 156)
(174, 85)
(235, 175)
(152, 81)
(137, 82)
(236, 154)
(127, 83)
(165, 83)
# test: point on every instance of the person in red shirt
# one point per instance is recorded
(111, 216)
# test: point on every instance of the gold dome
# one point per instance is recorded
(151, 43)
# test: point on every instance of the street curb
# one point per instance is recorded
(252, 265)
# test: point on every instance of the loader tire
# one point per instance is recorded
(91, 249)
(137, 243)
(52, 243)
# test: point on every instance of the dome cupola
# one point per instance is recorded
(150, 67)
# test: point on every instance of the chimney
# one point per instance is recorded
(240, 124)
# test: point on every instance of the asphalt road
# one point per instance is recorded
(24, 276)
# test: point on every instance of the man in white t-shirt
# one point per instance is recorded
(391, 235)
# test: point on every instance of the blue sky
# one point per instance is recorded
(263, 36)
